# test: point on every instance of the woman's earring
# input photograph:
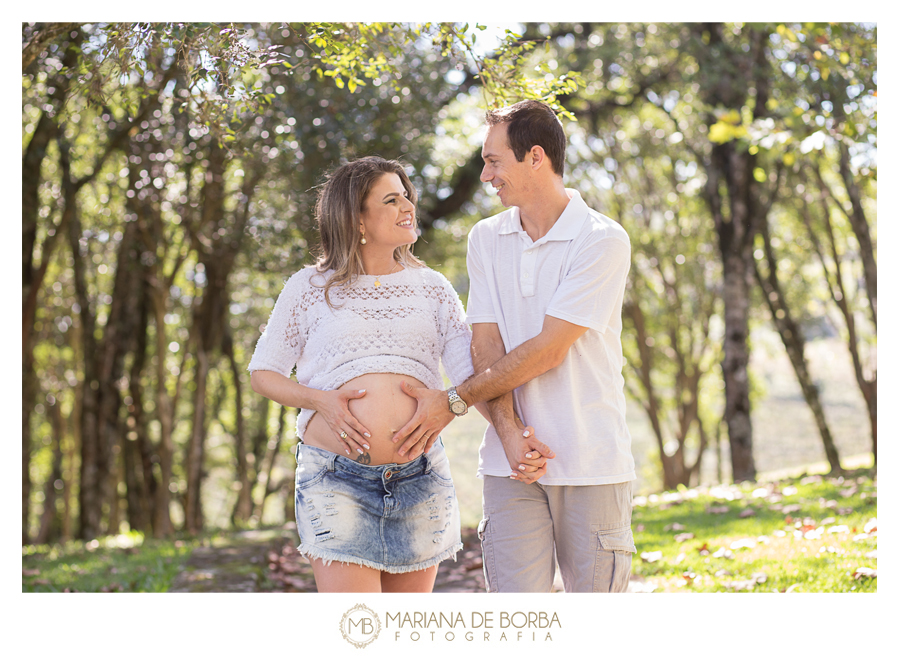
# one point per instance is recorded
(363, 239)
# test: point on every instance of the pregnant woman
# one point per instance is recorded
(367, 318)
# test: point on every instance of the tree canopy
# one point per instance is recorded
(169, 179)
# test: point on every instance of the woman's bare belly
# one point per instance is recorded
(383, 410)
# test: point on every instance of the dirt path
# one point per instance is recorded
(267, 561)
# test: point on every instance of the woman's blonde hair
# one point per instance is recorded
(338, 211)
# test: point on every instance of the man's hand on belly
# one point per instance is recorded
(432, 415)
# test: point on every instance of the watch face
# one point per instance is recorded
(458, 407)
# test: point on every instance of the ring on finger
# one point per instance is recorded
(343, 435)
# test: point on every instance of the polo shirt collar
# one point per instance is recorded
(566, 227)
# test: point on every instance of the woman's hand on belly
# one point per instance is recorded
(383, 409)
(333, 410)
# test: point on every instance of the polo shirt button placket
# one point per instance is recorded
(528, 265)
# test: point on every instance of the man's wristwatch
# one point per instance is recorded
(457, 405)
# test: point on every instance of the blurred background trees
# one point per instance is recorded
(169, 175)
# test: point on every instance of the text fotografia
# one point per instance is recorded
(479, 626)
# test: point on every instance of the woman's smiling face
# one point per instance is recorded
(388, 217)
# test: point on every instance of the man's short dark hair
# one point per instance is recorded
(532, 123)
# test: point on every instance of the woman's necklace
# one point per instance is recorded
(377, 283)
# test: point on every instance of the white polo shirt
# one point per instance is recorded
(576, 273)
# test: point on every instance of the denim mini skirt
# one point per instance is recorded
(391, 517)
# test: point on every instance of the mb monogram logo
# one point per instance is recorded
(360, 626)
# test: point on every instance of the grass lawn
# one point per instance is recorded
(808, 534)
(804, 534)
(125, 563)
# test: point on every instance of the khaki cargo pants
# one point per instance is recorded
(528, 528)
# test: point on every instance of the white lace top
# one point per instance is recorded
(413, 320)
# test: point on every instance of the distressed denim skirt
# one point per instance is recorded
(391, 517)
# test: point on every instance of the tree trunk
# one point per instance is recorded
(89, 498)
(867, 386)
(794, 344)
(118, 340)
(736, 295)
(135, 495)
(860, 226)
(267, 488)
(730, 73)
(218, 242)
(33, 276)
(193, 513)
(243, 508)
(165, 411)
(29, 396)
(69, 471)
(136, 449)
(633, 311)
(50, 525)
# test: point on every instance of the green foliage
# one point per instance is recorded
(812, 534)
(122, 563)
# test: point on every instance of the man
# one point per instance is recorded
(547, 279)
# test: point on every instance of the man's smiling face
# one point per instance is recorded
(509, 177)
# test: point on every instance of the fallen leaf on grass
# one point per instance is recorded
(747, 513)
(689, 576)
(872, 554)
(638, 587)
(864, 572)
(717, 509)
(673, 526)
(838, 529)
(724, 553)
(871, 526)
(684, 536)
(651, 556)
(753, 581)
(704, 550)
(31, 572)
(743, 543)
(40, 581)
